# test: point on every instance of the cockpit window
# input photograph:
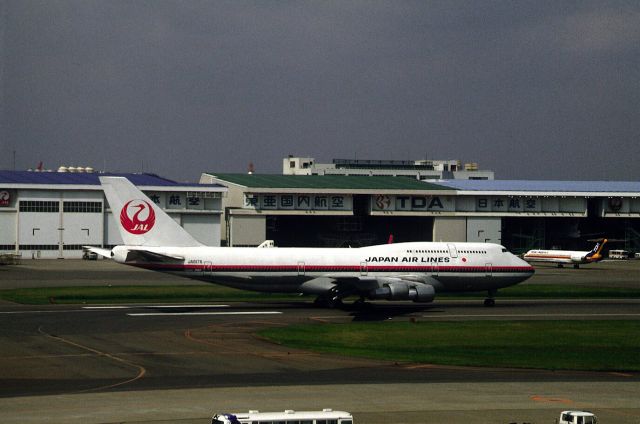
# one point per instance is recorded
(504, 249)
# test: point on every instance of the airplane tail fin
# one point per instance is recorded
(140, 221)
(596, 253)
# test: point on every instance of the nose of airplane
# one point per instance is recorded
(526, 266)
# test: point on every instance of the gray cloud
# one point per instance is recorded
(529, 89)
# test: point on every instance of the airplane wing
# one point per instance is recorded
(409, 287)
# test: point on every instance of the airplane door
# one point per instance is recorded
(434, 271)
(453, 252)
(300, 268)
(364, 268)
(208, 267)
(488, 269)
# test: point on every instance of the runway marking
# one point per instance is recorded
(537, 398)
(141, 370)
(420, 366)
(154, 306)
(91, 354)
(184, 306)
(156, 314)
(41, 312)
(241, 336)
(105, 307)
(621, 374)
(527, 315)
(100, 308)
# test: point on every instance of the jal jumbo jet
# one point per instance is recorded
(561, 257)
(402, 271)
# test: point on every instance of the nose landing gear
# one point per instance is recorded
(490, 301)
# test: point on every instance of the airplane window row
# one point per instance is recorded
(484, 252)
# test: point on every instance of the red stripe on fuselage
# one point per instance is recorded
(334, 268)
(547, 256)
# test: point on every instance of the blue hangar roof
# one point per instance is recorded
(75, 178)
(541, 185)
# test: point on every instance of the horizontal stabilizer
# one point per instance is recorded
(98, 250)
(147, 256)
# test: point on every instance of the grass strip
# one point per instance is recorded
(193, 293)
(570, 345)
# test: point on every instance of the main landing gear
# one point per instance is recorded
(330, 301)
(490, 301)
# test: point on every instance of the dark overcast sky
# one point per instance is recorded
(529, 89)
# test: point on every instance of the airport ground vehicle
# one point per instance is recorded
(326, 416)
(577, 417)
(618, 254)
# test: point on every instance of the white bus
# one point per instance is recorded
(618, 254)
(326, 416)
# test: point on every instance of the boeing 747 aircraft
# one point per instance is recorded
(561, 257)
(401, 271)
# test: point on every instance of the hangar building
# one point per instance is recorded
(54, 214)
(347, 210)
(314, 210)
(556, 214)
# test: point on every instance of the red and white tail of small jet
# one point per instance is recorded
(562, 257)
(398, 271)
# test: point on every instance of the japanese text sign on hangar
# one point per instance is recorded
(477, 205)
(302, 202)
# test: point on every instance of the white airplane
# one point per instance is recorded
(402, 271)
(562, 257)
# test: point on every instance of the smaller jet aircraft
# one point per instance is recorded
(562, 257)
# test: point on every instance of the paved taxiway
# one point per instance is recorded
(154, 363)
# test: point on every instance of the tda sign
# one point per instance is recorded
(383, 202)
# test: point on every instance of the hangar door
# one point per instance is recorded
(203, 227)
(50, 228)
(39, 227)
(247, 230)
(81, 226)
(7, 231)
(484, 230)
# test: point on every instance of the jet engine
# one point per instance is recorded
(402, 290)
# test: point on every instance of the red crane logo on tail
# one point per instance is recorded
(134, 224)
